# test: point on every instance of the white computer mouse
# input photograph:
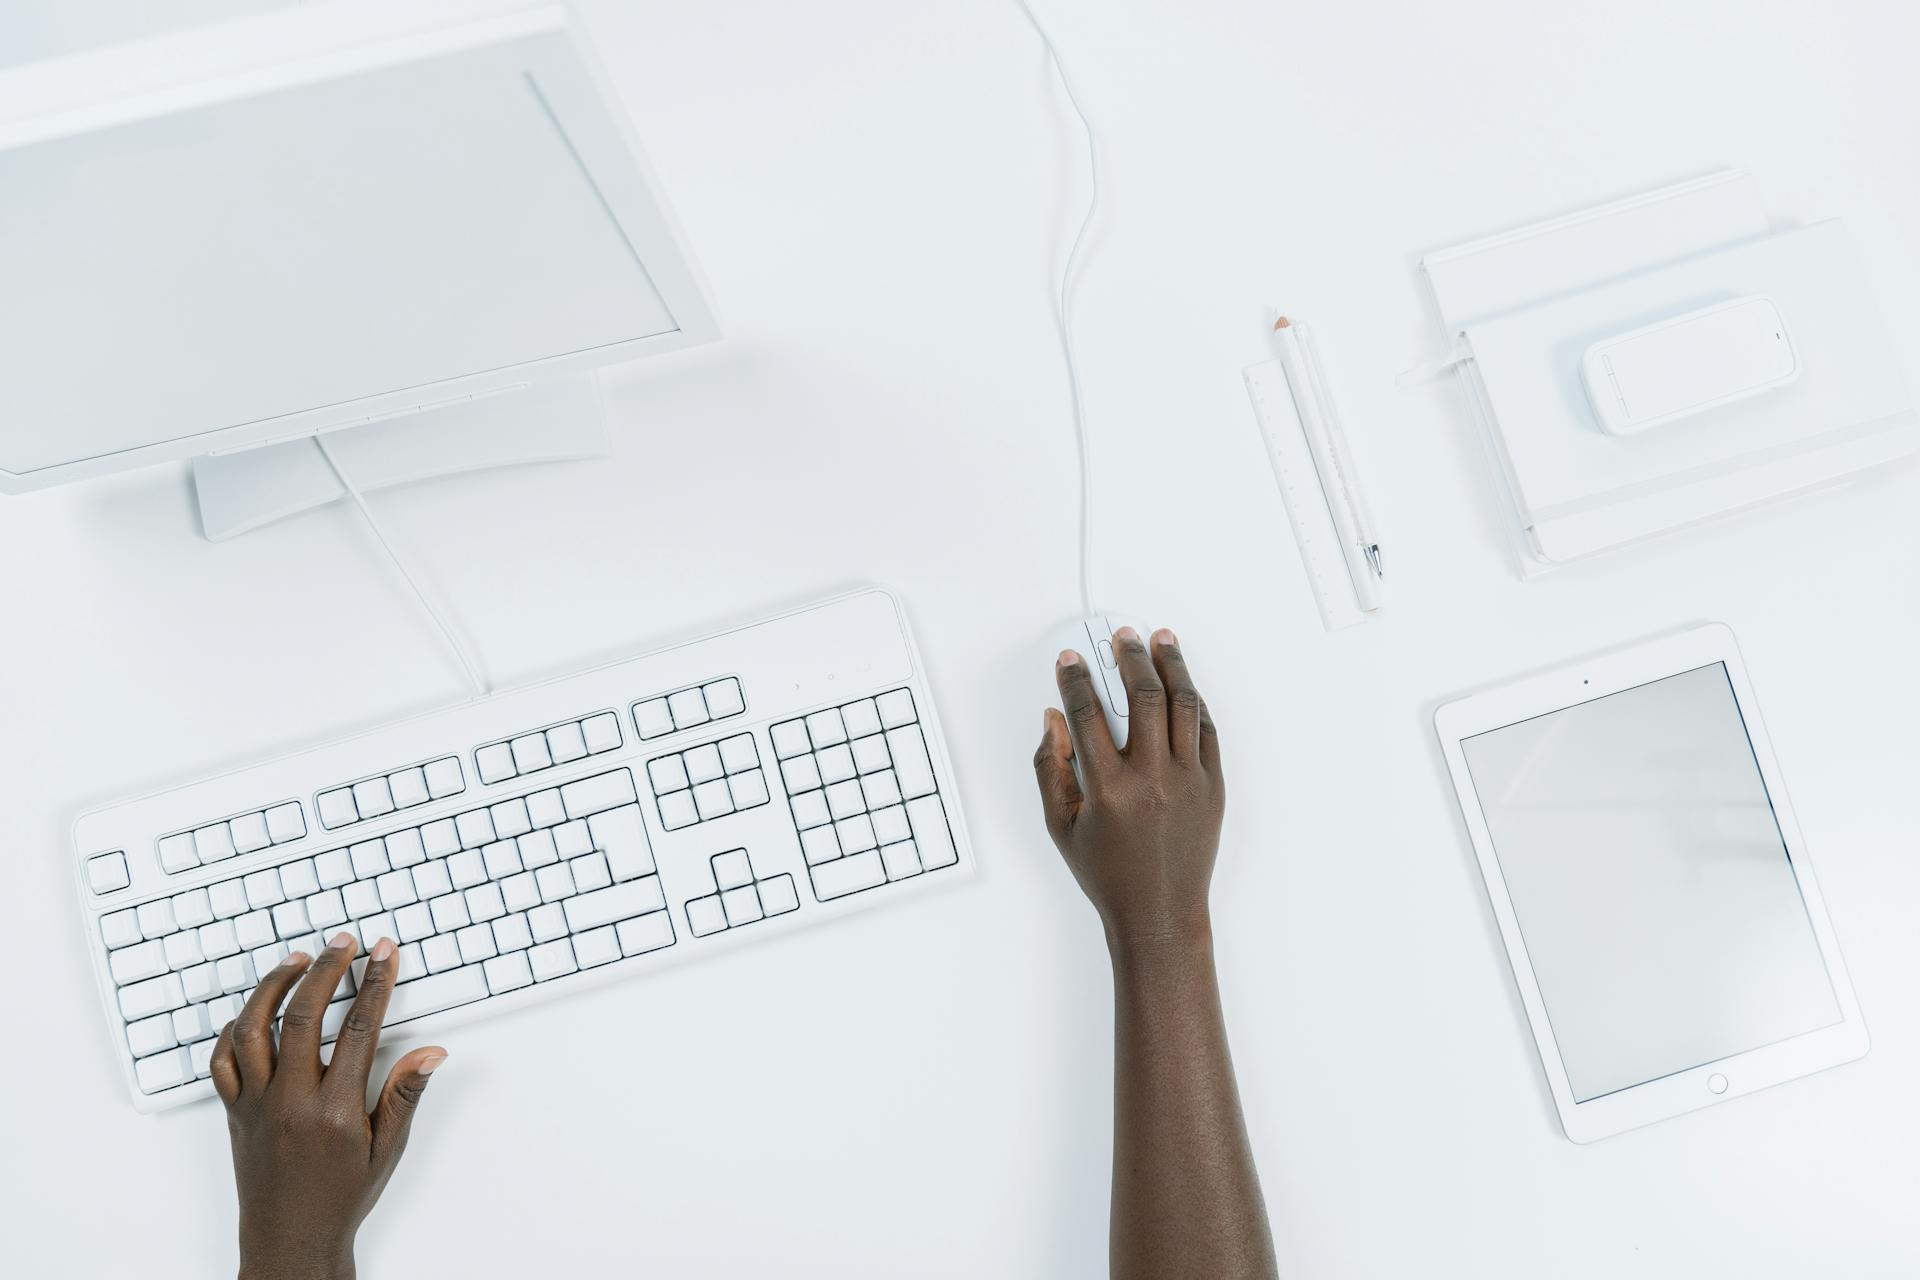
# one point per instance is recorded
(1092, 639)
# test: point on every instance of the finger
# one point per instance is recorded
(225, 1068)
(360, 1033)
(300, 1024)
(1183, 700)
(1209, 741)
(399, 1098)
(1086, 722)
(1146, 696)
(253, 1029)
(1060, 796)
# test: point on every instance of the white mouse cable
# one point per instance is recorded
(1063, 316)
(465, 659)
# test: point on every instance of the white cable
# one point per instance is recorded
(460, 653)
(1063, 315)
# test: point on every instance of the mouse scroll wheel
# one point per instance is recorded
(1105, 649)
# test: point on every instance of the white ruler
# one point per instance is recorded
(1304, 495)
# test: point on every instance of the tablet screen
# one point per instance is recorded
(1651, 882)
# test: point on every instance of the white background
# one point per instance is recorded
(879, 194)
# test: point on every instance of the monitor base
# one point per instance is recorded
(554, 419)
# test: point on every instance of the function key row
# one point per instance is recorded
(688, 708)
(706, 782)
(386, 793)
(231, 837)
(544, 748)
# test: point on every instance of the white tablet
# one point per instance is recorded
(1661, 915)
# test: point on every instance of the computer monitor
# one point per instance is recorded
(423, 215)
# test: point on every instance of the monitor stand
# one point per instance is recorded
(554, 419)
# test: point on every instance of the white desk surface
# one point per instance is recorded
(879, 193)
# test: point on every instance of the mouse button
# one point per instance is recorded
(1107, 661)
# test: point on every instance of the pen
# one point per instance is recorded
(1320, 421)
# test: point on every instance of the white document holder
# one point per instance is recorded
(1522, 308)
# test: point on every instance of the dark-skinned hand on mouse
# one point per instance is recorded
(309, 1160)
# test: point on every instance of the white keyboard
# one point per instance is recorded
(533, 842)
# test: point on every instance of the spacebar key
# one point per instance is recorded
(438, 991)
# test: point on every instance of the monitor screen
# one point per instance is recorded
(267, 255)
(1651, 882)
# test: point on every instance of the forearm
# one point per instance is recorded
(1186, 1197)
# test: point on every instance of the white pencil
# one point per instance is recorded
(1329, 459)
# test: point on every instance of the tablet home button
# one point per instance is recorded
(1717, 1083)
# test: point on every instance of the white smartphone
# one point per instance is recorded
(1651, 885)
(1664, 372)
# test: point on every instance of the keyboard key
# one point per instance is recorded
(900, 859)
(333, 868)
(620, 902)
(268, 958)
(141, 960)
(502, 859)
(362, 900)
(896, 708)
(510, 819)
(602, 732)
(508, 973)
(689, 707)
(706, 915)
(156, 918)
(713, 800)
(521, 892)
(467, 868)
(300, 879)
(450, 912)
(249, 832)
(652, 718)
(596, 947)
(592, 795)
(484, 902)
(536, 849)
(183, 949)
(800, 774)
(290, 920)
(369, 859)
(192, 1023)
(810, 810)
(790, 739)
(476, 829)
(236, 974)
(438, 991)
(255, 929)
(737, 754)
(870, 754)
(668, 773)
(703, 764)
(547, 922)
(444, 778)
(442, 952)
(862, 718)
(749, 789)
(219, 939)
(856, 833)
(530, 752)
(163, 1070)
(156, 995)
(412, 922)
(778, 895)
(326, 910)
(732, 869)
(263, 889)
(286, 823)
(440, 838)
(820, 845)
(620, 835)
(202, 1055)
(556, 882)
(228, 899)
(410, 962)
(565, 743)
(476, 943)
(511, 933)
(836, 764)
(177, 853)
(648, 933)
(881, 789)
(552, 960)
(544, 808)
(724, 698)
(890, 825)
(373, 797)
(826, 728)
(409, 788)
(571, 840)
(120, 929)
(431, 879)
(849, 875)
(844, 799)
(741, 905)
(910, 763)
(396, 889)
(337, 808)
(494, 762)
(202, 982)
(403, 849)
(931, 833)
(590, 872)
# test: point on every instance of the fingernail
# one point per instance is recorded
(1068, 658)
(430, 1065)
(340, 941)
(1046, 722)
(296, 957)
(1126, 633)
(382, 949)
(1165, 636)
